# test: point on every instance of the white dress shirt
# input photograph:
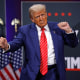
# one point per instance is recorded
(51, 54)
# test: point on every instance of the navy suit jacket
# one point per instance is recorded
(28, 37)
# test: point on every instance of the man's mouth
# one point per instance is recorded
(41, 22)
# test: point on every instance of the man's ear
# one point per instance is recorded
(32, 19)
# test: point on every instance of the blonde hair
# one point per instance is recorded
(36, 8)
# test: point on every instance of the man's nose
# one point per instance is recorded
(41, 17)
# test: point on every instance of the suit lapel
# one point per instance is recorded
(35, 40)
(54, 39)
(55, 42)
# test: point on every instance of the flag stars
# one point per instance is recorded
(14, 58)
(16, 66)
(17, 63)
(12, 62)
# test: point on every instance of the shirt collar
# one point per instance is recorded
(46, 27)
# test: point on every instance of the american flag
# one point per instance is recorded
(10, 65)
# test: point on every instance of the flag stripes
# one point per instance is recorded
(10, 65)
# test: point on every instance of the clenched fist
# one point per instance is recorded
(3, 43)
(65, 26)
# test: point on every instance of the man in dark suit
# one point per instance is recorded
(29, 36)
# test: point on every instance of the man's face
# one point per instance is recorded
(40, 18)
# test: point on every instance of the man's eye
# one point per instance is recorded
(42, 14)
(37, 16)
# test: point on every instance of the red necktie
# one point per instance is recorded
(43, 53)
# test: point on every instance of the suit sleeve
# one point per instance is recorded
(17, 42)
(70, 39)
